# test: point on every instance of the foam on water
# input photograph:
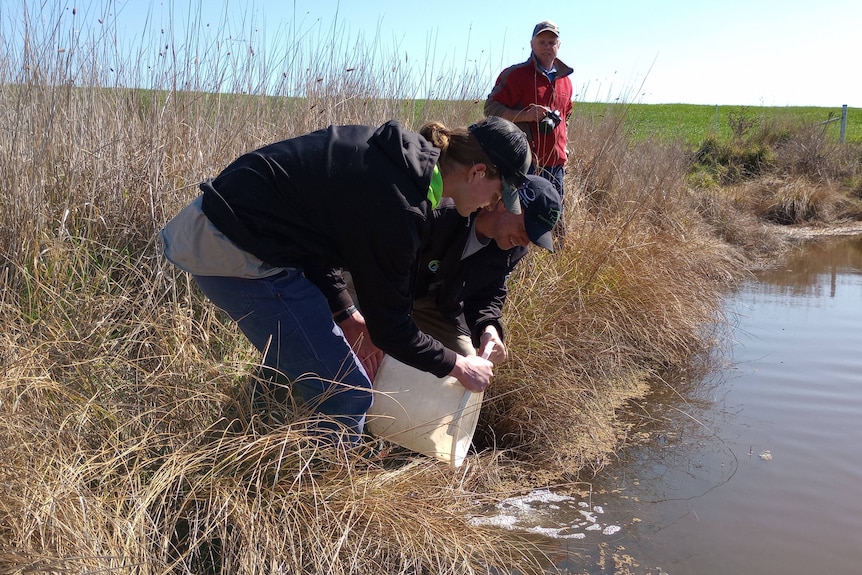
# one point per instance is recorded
(540, 512)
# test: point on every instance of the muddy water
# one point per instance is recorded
(758, 468)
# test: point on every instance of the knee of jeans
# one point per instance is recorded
(364, 402)
(354, 403)
(336, 400)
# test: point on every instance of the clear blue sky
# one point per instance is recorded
(733, 52)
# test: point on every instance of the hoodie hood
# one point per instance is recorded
(407, 150)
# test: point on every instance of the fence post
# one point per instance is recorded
(843, 123)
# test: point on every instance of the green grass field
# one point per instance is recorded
(692, 124)
(688, 123)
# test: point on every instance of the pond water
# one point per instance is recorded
(756, 471)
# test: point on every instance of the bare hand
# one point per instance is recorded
(534, 113)
(498, 353)
(356, 333)
(473, 372)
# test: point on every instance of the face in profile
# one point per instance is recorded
(504, 227)
(478, 191)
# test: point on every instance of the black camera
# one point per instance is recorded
(549, 123)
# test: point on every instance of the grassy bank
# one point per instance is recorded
(127, 440)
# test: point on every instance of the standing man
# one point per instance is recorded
(537, 95)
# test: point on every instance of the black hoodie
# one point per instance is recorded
(347, 196)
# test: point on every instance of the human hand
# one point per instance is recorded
(536, 112)
(356, 333)
(498, 352)
(473, 372)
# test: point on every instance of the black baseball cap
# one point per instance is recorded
(542, 207)
(507, 147)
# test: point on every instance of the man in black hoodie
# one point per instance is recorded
(468, 292)
(465, 263)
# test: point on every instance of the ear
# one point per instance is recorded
(477, 171)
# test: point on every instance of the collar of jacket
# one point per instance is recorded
(563, 70)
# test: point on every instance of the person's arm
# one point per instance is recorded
(482, 313)
(499, 353)
(352, 323)
(332, 284)
(473, 372)
(483, 306)
(508, 101)
(330, 281)
(530, 113)
(383, 267)
(386, 308)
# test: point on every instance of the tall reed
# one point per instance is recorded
(122, 388)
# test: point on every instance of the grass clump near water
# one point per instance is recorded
(128, 441)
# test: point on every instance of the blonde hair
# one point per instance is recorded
(458, 146)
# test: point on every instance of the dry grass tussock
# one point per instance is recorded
(116, 374)
(116, 454)
(634, 290)
(779, 173)
(85, 490)
(127, 440)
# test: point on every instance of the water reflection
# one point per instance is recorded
(767, 479)
(756, 468)
(803, 271)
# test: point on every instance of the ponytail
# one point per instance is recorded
(437, 134)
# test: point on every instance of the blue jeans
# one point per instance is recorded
(553, 174)
(288, 319)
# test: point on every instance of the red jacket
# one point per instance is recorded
(523, 84)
